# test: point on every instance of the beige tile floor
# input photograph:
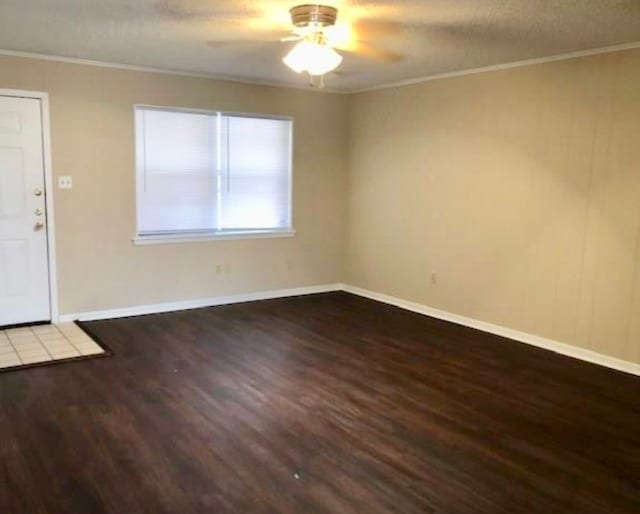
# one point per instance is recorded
(42, 343)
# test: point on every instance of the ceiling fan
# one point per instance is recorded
(314, 53)
(313, 27)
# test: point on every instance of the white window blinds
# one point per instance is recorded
(217, 173)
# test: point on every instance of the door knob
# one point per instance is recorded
(38, 212)
(37, 191)
(38, 225)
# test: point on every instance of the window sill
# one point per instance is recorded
(195, 238)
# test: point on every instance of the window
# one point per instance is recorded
(208, 174)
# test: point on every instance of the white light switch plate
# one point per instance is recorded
(65, 182)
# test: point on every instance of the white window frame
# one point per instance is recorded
(191, 237)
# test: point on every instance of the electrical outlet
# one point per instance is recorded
(218, 269)
(434, 277)
(65, 182)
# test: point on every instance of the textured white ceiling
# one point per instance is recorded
(435, 36)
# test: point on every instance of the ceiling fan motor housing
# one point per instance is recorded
(313, 15)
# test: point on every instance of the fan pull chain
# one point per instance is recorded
(319, 84)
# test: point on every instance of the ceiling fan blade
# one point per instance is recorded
(354, 37)
(483, 36)
(375, 29)
(234, 43)
(198, 10)
(236, 30)
(345, 73)
(371, 52)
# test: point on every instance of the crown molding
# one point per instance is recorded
(389, 85)
(151, 69)
(500, 67)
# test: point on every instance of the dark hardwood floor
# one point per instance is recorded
(320, 404)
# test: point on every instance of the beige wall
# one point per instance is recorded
(520, 188)
(93, 141)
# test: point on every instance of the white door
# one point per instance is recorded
(24, 275)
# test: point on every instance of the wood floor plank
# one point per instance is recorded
(326, 403)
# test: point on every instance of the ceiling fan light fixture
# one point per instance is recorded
(312, 57)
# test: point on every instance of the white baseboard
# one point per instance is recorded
(523, 337)
(140, 310)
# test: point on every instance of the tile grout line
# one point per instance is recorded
(14, 348)
(67, 341)
(35, 338)
(70, 342)
(30, 336)
(42, 343)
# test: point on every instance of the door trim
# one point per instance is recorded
(48, 185)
